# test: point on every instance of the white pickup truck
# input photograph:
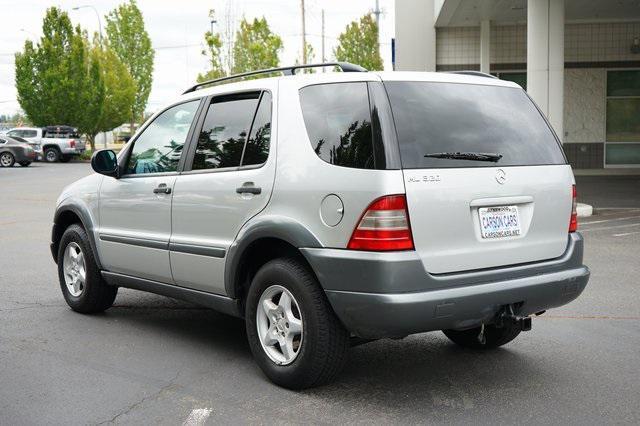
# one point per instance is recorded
(52, 143)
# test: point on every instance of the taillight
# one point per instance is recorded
(573, 222)
(384, 226)
(72, 143)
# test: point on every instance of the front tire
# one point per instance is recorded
(494, 337)
(83, 287)
(7, 159)
(294, 335)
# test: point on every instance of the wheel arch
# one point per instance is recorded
(261, 241)
(66, 216)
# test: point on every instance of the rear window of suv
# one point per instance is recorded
(434, 118)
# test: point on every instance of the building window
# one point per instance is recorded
(517, 77)
(623, 118)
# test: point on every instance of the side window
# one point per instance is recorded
(338, 122)
(29, 134)
(15, 133)
(257, 147)
(224, 131)
(159, 146)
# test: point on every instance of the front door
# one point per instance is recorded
(135, 210)
(227, 180)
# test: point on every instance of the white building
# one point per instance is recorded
(578, 59)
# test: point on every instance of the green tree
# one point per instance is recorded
(310, 56)
(359, 44)
(118, 91)
(212, 51)
(256, 47)
(55, 79)
(130, 41)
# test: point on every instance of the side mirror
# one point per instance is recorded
(105, 162)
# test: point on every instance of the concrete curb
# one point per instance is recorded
(584, 210)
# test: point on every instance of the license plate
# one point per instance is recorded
(499, 221)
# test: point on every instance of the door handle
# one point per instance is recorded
(249, 188)
(162, 189)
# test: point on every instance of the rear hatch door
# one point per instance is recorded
(469, 210)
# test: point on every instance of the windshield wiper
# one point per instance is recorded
(473, 156)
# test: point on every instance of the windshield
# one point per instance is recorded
(466, 118)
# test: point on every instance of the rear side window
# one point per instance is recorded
(436, 118)
(224, 132)
(338, 121)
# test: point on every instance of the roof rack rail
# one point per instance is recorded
(291, 70)
(476, 73)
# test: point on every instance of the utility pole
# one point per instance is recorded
(323, 58)
(304, 36)
(377, 12)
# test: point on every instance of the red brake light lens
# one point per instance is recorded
(573, 222)
(384, 226)
(72, 143)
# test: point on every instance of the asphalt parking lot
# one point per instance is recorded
(151, 359)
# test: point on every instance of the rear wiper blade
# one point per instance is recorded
(473, 156)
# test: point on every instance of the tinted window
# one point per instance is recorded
(338, 123)
(446, 117)
(257, 147)
(29, 134)
(159, 146)
(224, 132)
(15, 133)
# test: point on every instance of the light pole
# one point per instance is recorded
(97, 16)
(84, 6)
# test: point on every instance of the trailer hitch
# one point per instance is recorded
(507, 314)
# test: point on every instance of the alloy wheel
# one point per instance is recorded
(6, 160)
(279, 323)
(74, 267)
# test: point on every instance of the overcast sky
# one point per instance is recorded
(177, 28)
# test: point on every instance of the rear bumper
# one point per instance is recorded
(72, 151)
(390, 295)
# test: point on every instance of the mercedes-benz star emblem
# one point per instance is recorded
(501, 176)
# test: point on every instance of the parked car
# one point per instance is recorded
(34, 145)
(13, 151)
(58, 143)
(329, 209)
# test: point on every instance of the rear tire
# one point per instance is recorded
(7, 159)
(494, 337)
(89, 293)
(25, 163)
(52, 155)
(323, 342)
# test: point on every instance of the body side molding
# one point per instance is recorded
(141, 242)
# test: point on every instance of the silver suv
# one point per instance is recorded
(329, 209)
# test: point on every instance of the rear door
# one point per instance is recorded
(228, 179)
(466, 214)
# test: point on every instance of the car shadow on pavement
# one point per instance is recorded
(428, 366)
